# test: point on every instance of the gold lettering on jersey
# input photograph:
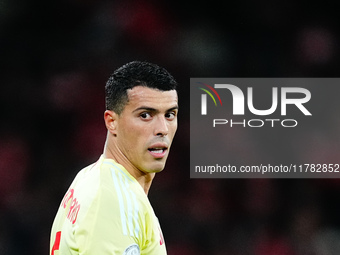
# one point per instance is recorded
(71, 205)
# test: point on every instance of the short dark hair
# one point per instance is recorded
(136, 73)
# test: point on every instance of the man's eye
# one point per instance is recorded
(170, 115)
(145, 115)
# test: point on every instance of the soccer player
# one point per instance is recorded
(106, 209)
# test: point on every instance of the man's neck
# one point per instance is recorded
(144, 179)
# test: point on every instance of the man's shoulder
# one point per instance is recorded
(107, 183)
(126, 190)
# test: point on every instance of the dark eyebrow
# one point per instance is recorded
(173, 108)
(149, 109)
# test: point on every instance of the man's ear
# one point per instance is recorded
(110, 118)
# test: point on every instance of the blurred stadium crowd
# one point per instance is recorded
(55, 57)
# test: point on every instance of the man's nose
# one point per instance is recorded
(161, 128)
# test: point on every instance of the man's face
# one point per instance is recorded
(146, 127)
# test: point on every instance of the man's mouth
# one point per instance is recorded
(158, 152)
